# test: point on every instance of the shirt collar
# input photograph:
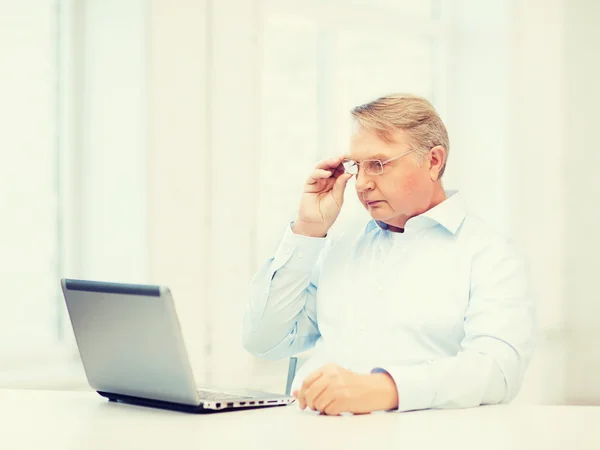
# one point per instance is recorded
(449, 214)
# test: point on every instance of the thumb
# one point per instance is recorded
(340, 186)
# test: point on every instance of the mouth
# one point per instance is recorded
(373, 202)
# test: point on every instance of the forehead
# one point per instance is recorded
(366, 144)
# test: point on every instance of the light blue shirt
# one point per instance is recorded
(443, 307)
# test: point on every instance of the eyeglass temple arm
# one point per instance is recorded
(396, 157)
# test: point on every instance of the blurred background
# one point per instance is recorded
(166, 141)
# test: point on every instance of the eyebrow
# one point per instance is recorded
(379, 156)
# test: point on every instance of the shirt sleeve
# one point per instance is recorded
(495, 351)
(280, 318)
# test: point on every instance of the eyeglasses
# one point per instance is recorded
(371, 166)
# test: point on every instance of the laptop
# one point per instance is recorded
(132, 350)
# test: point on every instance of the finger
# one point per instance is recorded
(309, 380)
(339, 170)
(340, 186)
(323, 401)
(332, 409)
(300, 398)
(314, 392)
(318, 174)
(330, 163)
(301, 401)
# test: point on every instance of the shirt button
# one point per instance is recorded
(380, 289)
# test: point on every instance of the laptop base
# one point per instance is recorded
(180, 407)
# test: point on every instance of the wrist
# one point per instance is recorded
(305, 229)
(383, 391)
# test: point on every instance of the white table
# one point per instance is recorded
(83, 420)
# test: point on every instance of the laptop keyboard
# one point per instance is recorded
(212, 395)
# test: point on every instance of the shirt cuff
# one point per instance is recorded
(414, 384)
(298, 252)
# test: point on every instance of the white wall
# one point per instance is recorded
(203, 156)
(555, 75)
(179, 164)
(112, 145)
(478, 112)
(234, 98)
(582, 193)
(28, 197)
(536, 177)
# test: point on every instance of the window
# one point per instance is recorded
(29, 204)
(74, 191)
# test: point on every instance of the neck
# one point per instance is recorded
(437, 197)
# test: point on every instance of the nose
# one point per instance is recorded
(363, 181)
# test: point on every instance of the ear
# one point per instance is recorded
(437, 157)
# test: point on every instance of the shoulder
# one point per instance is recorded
(479, 234)
(490, 250)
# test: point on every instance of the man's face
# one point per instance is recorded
(403, 190)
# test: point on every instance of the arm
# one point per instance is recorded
(496, 348)
(280, 319)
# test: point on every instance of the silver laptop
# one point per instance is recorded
(133, 351)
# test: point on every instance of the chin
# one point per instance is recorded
(379, 215)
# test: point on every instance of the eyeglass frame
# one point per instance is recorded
(381, 163)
